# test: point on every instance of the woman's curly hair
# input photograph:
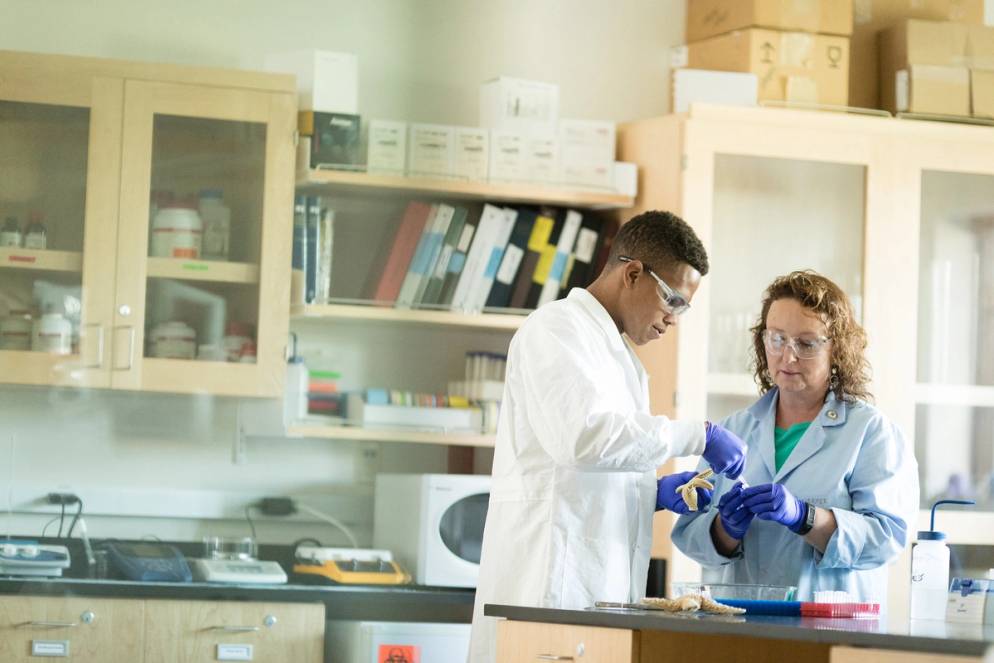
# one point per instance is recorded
(828, 300)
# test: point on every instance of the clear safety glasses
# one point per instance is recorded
(804, 347)
(673, 300)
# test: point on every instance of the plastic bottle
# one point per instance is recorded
(35, 236)
(930, 570)
(295, 389)
(217, 224)
(177, 231)
(10, 234)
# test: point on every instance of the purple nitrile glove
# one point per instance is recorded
(735, 517)
(668, 498)
(724, 451)
(773, 502)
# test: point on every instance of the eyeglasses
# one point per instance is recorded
(804, 347)
(673, 300)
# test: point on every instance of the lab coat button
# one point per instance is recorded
(832, 414)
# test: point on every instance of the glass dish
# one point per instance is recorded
(230, 548)
(719, 591)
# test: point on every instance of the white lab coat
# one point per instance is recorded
(851, 460)
(574, 489)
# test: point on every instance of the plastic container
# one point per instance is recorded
(237, 336)
(173, 340)
(15, 331)
(719, 591)
(10, 233)
(217, 224)
(52, 333)
(177, 232)
(229, 547)
(930, 570)
(35, 236)
(296, 388)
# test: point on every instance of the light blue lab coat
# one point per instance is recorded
(851, 460)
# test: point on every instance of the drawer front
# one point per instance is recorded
(201, 631)
(533, 642)
(34, 628)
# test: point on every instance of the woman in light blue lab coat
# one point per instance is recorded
(830, 485)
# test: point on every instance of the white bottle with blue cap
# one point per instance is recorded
(930, 570)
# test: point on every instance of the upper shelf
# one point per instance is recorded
(486, 321)
(331, 432)
(364, 183)
(203, 270)
(44, 260)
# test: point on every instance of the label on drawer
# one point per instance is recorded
(399, 654)
(50, 648)
(234, 652)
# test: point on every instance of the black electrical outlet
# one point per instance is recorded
(277, 506)
(62, 498)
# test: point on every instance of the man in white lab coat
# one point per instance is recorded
(574, 485)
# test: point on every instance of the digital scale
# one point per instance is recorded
(349, 566)
(239, 571)
(30, 558)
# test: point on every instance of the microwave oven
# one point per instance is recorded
(433, 525)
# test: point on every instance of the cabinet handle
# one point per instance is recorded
(100, 345)
(46, 624)
(553, 657)
(235, 629)
(131, 347)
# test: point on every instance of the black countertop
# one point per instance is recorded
(920, 636)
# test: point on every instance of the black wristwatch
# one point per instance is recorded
(809, 520)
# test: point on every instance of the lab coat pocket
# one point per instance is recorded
(595, 570)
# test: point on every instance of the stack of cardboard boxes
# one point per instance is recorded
(798, 49)
(937, 67)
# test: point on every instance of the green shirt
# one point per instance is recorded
(785, 439)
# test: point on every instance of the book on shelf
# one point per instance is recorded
(312, 222)
(433, 284)
(538, 240)
(391, 269)
(426, 253)
(510, 264)
(564, 247)
(298, 259)
(481, 291)
(491, 220)
(326, 235)
(580, 271)
(453, 272)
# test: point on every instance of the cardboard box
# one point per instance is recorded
(429, 152)
(913, 42)
(790, 66)
(507, 156)
(387, 147)
(980, 46)
(872, 16)
(514, 104)
(470, 153)
(707, 18)
(728, 88)
(326, 81)
(982, 93)
(334, 139)
(933, 90)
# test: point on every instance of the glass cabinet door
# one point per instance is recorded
(769, 220)
(954, 432)
(203, 284)
(58, 172)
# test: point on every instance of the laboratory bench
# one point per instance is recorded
(610, 636)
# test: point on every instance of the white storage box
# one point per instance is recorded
(519, 105)
(507, 156)
(587, 176)
(471, 153)
(430, 150)
(586, 142)
(326, 81)
(542, 157)
(469, 420)
(626, 178)
(729, 88)
(387, 147)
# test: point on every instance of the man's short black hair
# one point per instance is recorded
(659, 239)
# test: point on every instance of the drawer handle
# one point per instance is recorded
(552, 657)
(46, 624)
(235, 629)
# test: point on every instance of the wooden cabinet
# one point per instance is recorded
(197, 631)
(90, 148)
(82, 629)
(529, 642)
